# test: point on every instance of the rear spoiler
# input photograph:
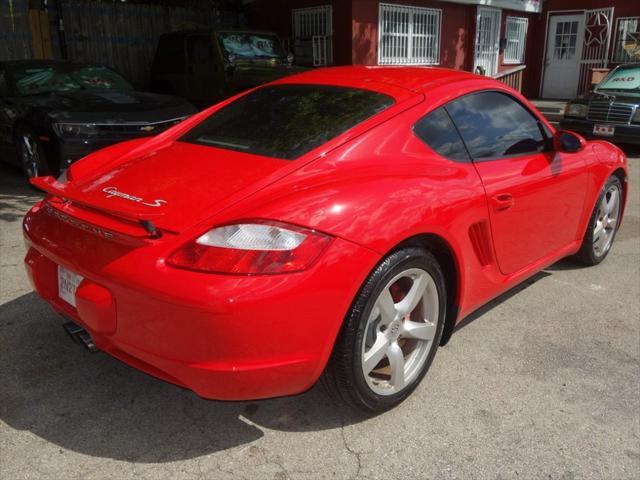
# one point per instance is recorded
(53, 187)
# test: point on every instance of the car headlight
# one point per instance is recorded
(578, 110)
(75, 129)
(636, 116)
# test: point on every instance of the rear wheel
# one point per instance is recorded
(31, 154)
(603, 224)
(391, 333)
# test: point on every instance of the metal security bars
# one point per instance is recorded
(312, 35)
(595, 47)
(408, 35)
(627, 44)
(516, 33)
(310, 22)
(487, 40)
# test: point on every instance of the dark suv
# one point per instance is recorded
(611, 111)
(205, 66)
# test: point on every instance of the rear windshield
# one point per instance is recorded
(287, 121)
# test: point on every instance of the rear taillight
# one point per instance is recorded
(258, 248)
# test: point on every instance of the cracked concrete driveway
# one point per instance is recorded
(543, 383)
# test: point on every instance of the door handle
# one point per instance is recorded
(502, 202)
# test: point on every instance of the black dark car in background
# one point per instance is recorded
(612, 111)
(55, 112)
(207, 65)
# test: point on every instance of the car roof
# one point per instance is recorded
(381, 79)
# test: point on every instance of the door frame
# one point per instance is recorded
(546, 38)
(479, 9)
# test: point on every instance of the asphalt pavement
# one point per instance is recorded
(544, 383)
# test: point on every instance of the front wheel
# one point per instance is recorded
(391, 333)
(31, 154)
(603, 224)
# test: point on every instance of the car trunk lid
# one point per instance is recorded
(170, 187)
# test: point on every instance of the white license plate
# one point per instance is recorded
(67, 285)
(604, 130)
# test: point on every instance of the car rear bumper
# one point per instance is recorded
(223, 336)
(623, 133)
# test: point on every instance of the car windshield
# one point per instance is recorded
(625, 79)
(64, 78)
(287, 121)
(251, 45)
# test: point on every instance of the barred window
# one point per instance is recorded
(312, 35)
(627, 45)
(313, 21)
(408, 35)
(516, 34)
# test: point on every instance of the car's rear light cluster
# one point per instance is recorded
(258, 248)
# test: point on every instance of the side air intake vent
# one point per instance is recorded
(480, 239)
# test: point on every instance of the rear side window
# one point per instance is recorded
(494, 125)
(287, 121)
(437, 130)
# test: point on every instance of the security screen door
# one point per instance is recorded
(487, 40)
(562, 61)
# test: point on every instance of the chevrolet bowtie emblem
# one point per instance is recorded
(147, 128)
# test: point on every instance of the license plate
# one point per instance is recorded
(604, 130)
(67, 285)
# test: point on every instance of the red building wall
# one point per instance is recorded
(621, 8)
(457, 33)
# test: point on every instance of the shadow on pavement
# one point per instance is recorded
(95, 405)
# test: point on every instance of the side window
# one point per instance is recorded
(437, 130)
(495, 125)
(199, 49)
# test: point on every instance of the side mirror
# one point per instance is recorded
(566, 141)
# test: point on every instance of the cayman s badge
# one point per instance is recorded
(113, 192)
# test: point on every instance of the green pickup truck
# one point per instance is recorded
(206, 66)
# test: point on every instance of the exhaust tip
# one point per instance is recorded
(80, 335)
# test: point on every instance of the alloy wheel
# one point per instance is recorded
(606, 220)
(30, 155)
(400, 331)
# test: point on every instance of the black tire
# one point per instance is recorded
(344, 377)
(33, 162)
(588, 253)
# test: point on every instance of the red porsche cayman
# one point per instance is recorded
(338, 222)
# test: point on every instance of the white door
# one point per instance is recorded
(562, 62)
(487, 40)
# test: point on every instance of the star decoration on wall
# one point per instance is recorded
(597, 30)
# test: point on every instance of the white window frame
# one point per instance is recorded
(307, 22)
(618, 54)
(313, 26)
(425, 35)
(516, 36)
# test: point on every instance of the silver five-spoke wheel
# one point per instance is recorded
(30, 155)
(606, 220)
(400, 330)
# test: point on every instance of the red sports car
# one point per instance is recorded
(339, 222)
